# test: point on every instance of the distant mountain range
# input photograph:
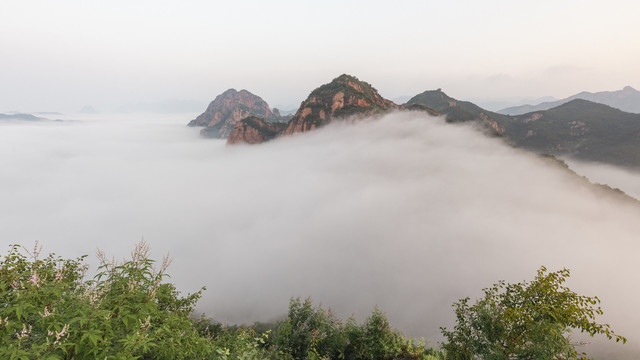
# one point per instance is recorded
(578, 128)
(627, 99)
(20, 117)
(498, 104)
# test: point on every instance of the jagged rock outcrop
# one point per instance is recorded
(227, 109)
(253, 130)
(343, 97)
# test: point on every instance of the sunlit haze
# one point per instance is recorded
(63, 55)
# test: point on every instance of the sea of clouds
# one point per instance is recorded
(404, 212)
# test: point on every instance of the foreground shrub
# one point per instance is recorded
(312, 333)
(126, 312)
(528, 320)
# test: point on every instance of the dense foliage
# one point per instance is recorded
(49, 311)
(313, 333)
(125, 312)
(528, 320)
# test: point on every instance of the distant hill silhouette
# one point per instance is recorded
(21, 117)
(627, 99)
(88, 109)
(460, 111)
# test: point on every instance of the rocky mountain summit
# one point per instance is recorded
(344, 97)
(582, 129)
(228, 108)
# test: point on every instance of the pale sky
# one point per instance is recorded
(62, 55)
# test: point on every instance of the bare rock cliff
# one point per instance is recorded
(253, 130)
(227, 109)
(345, 96)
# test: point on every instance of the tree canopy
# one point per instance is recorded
(527, 320)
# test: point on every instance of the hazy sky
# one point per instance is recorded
(61, 55)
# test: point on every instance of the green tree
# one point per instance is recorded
(528, 320)
(310, 332)
(126, 312)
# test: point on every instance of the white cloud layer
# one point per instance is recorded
(405, 212)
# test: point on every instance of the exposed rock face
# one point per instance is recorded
(228, 109)
(253, 130)
(343, 97)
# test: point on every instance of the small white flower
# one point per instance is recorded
(46, 312)
(24, 333)
(35, 279)
(62, 333)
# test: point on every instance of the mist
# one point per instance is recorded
(404, 212)
(624, 179)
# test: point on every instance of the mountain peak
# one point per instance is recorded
(344, 96)
(228, 92)
(350, 81)
(227, 109)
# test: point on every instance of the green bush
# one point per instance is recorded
(309, 330)
(126, 312)
(527, 320)
(49, 311)
(312, 333)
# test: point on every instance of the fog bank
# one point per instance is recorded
(626, 180)
(405, 212)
